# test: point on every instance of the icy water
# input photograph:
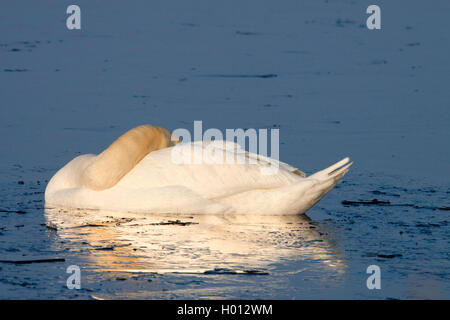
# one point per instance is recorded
(308, 68)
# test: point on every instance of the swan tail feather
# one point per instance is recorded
(325, 181)
(336, 170)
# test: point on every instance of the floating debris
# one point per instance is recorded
(230, 271)
(388, 203)
(173, 222)
(89, 225)
(427, 225)
(111, 248)
(262, 76)
(256, 272)
(220, 271)
(389, 256)
(33, 261)
(13, 211)
(366, 203)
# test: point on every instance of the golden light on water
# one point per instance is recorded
(128, 242)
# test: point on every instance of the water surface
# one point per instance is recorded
(308, 68)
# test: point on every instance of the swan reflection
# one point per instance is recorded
(125, 242)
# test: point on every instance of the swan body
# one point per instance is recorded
(135, 175)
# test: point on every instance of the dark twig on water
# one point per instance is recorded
(13, 211)
(388, 203)
(174, 222)
(90, 225)
(372, 202)
(33, 261)
(389, 256)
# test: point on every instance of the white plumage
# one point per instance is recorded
(195, 178)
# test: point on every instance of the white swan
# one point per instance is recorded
(141, 172)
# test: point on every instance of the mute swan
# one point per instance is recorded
(138, 173)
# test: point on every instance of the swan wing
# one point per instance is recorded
(208, 169)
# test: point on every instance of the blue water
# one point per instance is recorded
(310, 68)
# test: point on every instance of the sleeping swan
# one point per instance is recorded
(142, 172)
